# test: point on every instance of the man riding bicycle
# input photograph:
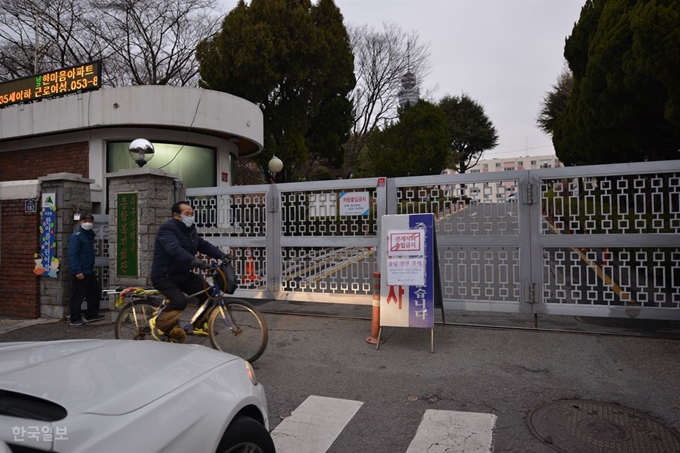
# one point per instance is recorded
(174, 258)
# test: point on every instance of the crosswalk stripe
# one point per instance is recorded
(314, 425)
(453, 432)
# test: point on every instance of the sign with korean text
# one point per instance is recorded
(406, 257)
(407, 293)
(82, 77)
(46, 261)
(127, 235)
(354, 203)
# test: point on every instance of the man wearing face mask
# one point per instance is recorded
(81, 256)
(174, 257)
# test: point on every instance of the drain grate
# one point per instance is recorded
(576, 426)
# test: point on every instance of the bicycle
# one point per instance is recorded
(234, 325)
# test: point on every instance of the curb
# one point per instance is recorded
(8, 325)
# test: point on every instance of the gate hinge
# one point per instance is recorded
(273, 283)
(529, 196)
(532, 293)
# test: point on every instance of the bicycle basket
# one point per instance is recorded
(226, 271)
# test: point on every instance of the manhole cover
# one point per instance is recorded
(593, 427)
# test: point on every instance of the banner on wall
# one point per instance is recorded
(127, 234)
(45, 261)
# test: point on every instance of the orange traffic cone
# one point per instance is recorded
(251, 276)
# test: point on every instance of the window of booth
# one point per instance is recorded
(195, 165)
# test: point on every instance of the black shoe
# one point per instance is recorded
(78, 322)
(95, 318)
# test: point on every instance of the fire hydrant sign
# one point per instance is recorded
(407, 292)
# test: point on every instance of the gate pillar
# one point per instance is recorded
(139, 201)
(72, 196)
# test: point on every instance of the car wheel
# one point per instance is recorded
(246, 435)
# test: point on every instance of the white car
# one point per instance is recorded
(98, 396)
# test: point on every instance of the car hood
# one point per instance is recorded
(107, 377)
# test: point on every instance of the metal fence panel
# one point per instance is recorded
(609, 240)
(292, 241)
(482, 235)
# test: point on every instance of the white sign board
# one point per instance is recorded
(407, 262)
(406, 271)
(354, 203)
(406, 257)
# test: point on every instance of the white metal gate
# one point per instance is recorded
(594, 241)
(607, 242)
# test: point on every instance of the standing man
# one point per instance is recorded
(174, 257)
(85, 283)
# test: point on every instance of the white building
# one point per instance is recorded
(514, 163)
(502, 190)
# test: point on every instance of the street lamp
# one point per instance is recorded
(275, 166)
(141, 151)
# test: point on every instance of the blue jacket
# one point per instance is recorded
(175, 248)
(81, 252)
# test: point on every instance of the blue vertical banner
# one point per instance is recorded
(421, 313)
(407, 283)
(48, 245)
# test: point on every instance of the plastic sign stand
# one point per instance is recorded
(409, 274)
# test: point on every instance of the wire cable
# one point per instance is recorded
(187, 134)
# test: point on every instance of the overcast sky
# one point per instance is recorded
(506, 54)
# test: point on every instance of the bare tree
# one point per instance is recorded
(154, 42)
(141, 42)
(36, 37)
(381, 59)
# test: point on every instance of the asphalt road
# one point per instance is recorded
(505, 372)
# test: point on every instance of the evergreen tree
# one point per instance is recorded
(294, 60)
(470, 131)
(625, 103)
(555, 102)
(415, 144)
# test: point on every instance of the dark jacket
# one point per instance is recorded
(175, 248)
(81, 252)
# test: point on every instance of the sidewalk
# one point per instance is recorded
(511, 321)
(10, 324)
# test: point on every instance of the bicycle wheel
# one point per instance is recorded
(133, 320)
(239, 329)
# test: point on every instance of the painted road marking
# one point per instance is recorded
(453, 432)
(314, 425)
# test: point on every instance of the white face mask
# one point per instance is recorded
(187, 220)
(87, 226)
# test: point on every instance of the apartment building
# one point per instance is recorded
(516, 163)
(503, 190)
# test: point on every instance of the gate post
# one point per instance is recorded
(72, 196)
(273, 243)
(142, 198)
